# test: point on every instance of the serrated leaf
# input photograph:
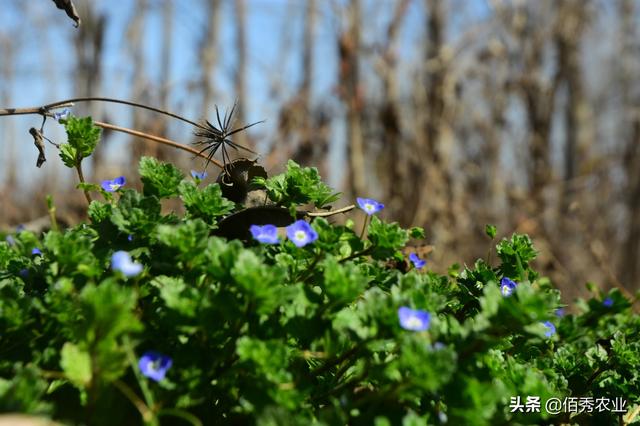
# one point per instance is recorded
(159, 179)
(76, 364)
(82, 135)
(207, 203)
(68, 154)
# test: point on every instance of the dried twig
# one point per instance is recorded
(70, 9)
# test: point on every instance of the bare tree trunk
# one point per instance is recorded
(390, 118)
(89, 43)
(241, 70)
(209, 55)
(630, 261)
(6, 72)
(539, 101)
(435, 181)
(159, 125)
(139, 90)
(165, 52)
(349, 48)
(312, 146)
(568, 36)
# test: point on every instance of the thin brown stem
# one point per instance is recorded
(81, 177)
(145, 412)
(155, 139)
(118, 101)
(331, 212)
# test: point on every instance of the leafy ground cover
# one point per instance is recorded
(145, 317)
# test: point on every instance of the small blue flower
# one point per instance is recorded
(121, 261)
(608, 302)
(198, 176)
(267, 234)
(62, 115)
(507, 286)
(24, 273)
(369, 206)
(114, 184)
(417, 262)
(437, 346)
(560, 312)
(414, 320)
(36, 252)
(20, 228)
(154, 365)
(301, 233)
(551, 329)
(129, 237)
(10, 240)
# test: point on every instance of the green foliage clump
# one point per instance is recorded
(274, 334)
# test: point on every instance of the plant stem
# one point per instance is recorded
(148, 396)
(364, 226)
(335, 361)
(357, 254)
(43, 110)
(81, 177)
(147, 415)
(331, 212)
(158, 139)
(185, 415)
(52, 213)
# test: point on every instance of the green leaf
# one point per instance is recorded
(189, 239)
(69, 155)
(99, 212)
(82, 135)
(76, 364)
(416, 232)
(24, 391)
(491, 231)
(159, 179)
(207, 203)
(516, 254)
(343, 282)
(88, 186)
(107, 311)
(298, 186)
(386, 238)
(176, 295)
(261, 282)
(136, 214)
(271, 357)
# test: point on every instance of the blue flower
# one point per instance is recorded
(507, 286)
(62, 115)
(24, 272)
(414, 320)
(114, 184)
(36, 252)
(198, 176)
(560, 312)
(267, 234)
(551, 329)
(301, 233)
(154, 365)
(10, 240)
(20, 228)
(417, 262)
(121, 261)
(369, 206)
(129, 237)
(437, 346)
(608, 302)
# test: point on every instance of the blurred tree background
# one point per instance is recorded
(455, 114)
